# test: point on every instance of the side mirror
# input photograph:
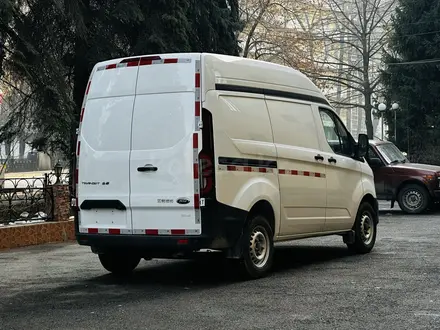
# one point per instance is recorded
(362, 145)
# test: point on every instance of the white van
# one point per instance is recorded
(179, 153)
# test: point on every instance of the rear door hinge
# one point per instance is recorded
(200, 124)
(202, 202)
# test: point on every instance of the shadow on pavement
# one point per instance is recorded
(152, 281)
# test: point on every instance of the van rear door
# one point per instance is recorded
(164, 182)
(104, 150)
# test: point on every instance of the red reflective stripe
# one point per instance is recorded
(151, 58)
(76, 175)
(170, 60)
(182, 241)
(177, 231)
(197, 80)
(196, 201)
(81, 116)
(145, 62)
(78, 148)
(247, 169)
(232, 168)
(305, 173)
(195, 141)
(152, 232)
(197, 112)
(110, 66)
(92, 230)
(196, 171)
(88, 87)
(262, 170)
(114, 231)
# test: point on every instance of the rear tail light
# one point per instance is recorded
(207, 168)
(75, 188)
(207, 179)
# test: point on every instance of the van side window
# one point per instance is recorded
(336, 134)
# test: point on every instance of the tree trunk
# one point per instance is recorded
(368, 118)
(349, 111)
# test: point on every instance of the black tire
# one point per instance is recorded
(119, 264)
(414, 199)
(257, 248)
(365, 230)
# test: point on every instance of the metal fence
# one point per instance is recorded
(50, 178)
(28, 200)
(25, 201)
(20, 165)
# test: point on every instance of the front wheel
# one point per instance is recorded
(365, 230)
(413, 199)
(257, 248)
(119, 264)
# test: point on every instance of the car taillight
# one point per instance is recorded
(207, 179)
(206, 157)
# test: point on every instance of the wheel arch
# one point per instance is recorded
(264, 208)
(370, 199)
(261, 207)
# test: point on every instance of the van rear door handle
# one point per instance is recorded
(147, 168)
(332, 160)
(319, 157)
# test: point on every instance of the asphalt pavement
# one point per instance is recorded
(316, 284)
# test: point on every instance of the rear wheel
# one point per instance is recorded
(257, 248)
(413, 199)
(119, 264)
(365, 230)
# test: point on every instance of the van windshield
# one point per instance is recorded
(391, 153)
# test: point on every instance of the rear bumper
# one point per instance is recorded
(222, 227)
(142, 244)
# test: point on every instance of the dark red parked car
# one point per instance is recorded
(415, 187)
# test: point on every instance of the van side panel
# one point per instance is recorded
(245, 155)
(302, 177)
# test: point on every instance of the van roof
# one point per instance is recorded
(249, 72)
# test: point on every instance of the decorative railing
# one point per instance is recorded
(25, 200)
(28, 200)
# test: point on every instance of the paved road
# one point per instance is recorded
(316, 285)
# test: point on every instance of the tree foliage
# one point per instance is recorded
(412, 77)
(50, 47)
(282, 31)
